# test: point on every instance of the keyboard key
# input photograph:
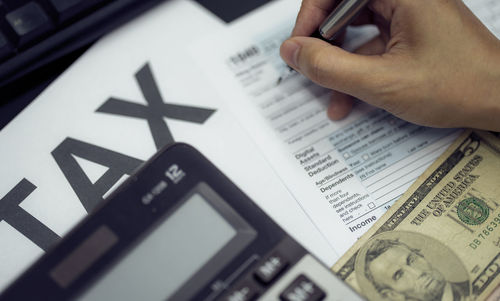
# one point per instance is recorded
(5, 47)
(67, 9)
(28, 23)
(302, 289)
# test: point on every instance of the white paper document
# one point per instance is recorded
(345, 174)
(128, 95)
(488, 11)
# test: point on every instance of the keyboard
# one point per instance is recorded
(34, 33)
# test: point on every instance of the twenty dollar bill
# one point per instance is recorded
(441, 239)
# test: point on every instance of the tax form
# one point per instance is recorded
(344, 174)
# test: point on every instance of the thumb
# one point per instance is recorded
(330, 66)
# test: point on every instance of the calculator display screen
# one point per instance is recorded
(180, 247)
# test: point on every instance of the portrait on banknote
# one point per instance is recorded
(402, 265)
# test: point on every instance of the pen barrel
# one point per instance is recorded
(342, 16)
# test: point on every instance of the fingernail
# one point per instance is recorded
(289, 52)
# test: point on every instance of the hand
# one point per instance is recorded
(434, 63)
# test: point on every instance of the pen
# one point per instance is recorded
(342, 16)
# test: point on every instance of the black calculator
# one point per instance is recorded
(178, 229)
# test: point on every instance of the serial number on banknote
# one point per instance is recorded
(486, 232)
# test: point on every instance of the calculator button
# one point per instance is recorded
(247, 291)
(267, 271)
(302, 289)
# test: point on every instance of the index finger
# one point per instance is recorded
(311, 14)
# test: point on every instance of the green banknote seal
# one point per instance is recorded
(473, 211)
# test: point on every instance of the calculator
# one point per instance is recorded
(178, 229)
